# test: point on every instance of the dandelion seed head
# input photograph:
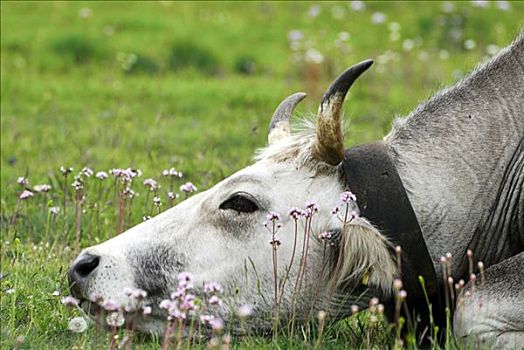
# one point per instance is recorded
(115, 319)
(77, 325)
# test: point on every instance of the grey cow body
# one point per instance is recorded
(461, 158)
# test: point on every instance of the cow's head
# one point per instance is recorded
(218, 235)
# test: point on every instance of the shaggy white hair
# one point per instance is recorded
(366, 254)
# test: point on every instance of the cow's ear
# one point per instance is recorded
(364, 256)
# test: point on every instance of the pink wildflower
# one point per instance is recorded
(152, 184)
(347, 196)
(26, 194)
(42, 188)
(22, 181)
(70, 301)
(101, 175)
(188, 187)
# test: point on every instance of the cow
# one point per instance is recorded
(447, 178)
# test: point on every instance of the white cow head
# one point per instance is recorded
(218, 235)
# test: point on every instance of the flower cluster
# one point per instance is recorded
(42, 188)
(26, 194)
(188, 187)
(171, 173)
(296, 213)
(127, 175)
(312, 208)
(101, 175)
(22, 181)
(87, 172)
(65, 171)
(151, 184)
(348, 202)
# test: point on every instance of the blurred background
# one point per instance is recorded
(193, 85)
(156, 85)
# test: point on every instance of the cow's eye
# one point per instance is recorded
(239, 203)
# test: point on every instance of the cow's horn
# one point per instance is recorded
(329, 144)
(280, 128)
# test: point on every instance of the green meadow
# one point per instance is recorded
(191, 86)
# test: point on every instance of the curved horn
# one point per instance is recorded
(280, 128)
(329, 144)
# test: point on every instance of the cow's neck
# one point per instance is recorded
(461, 159)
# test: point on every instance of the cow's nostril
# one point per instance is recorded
(84, 266)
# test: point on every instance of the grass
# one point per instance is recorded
(190, 86)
